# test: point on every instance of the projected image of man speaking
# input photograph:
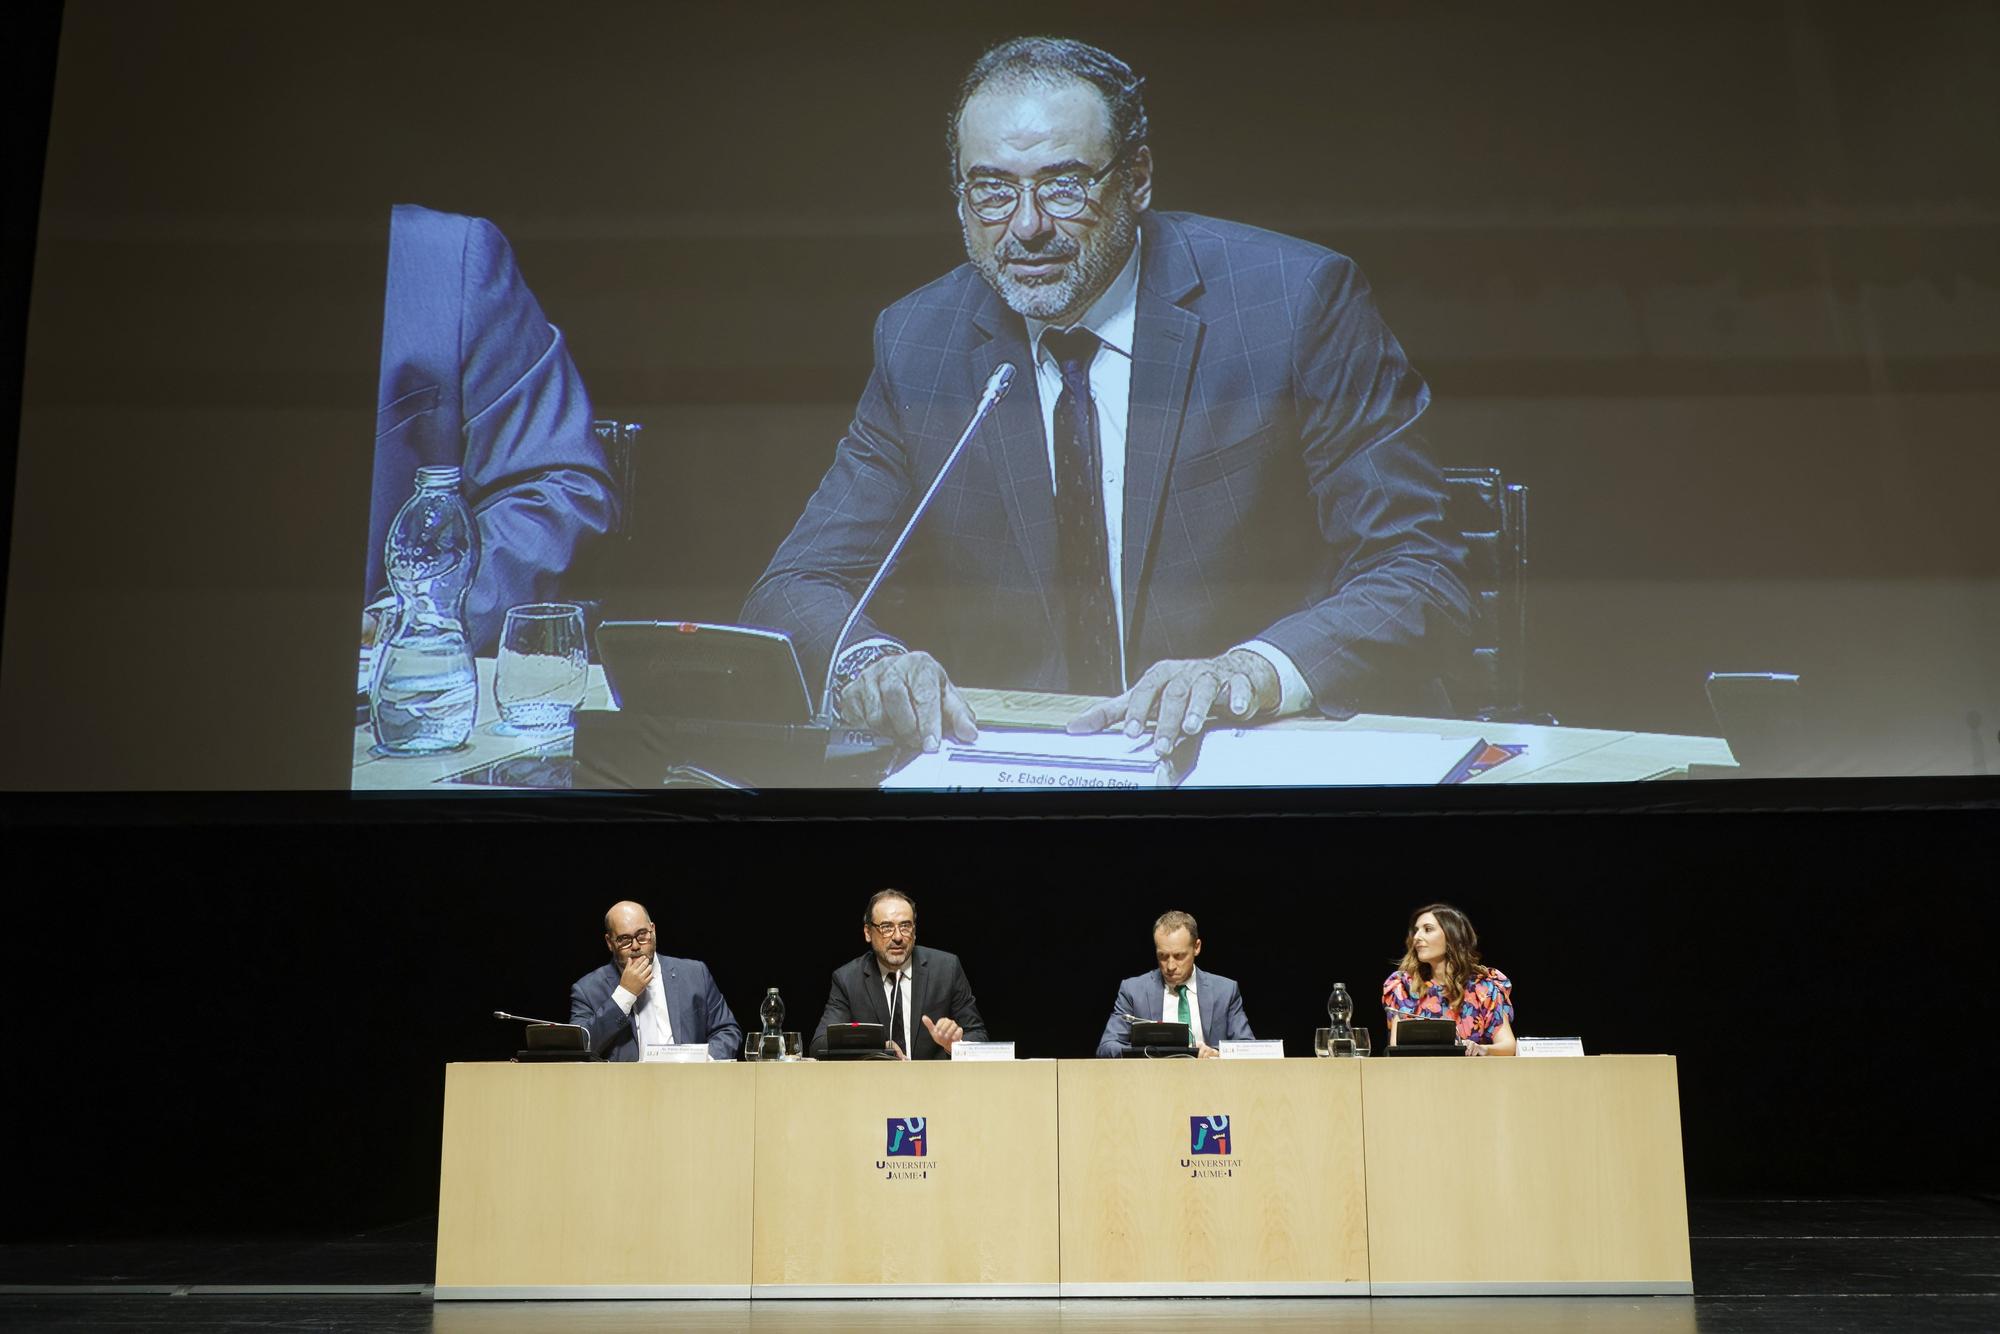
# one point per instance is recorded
(1204, 500)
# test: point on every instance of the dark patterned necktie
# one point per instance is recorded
(896, 1034)
(1082, 554)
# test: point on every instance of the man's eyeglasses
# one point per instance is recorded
(640, 937)
(994, 200)
(894, 928)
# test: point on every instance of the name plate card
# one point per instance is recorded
(1259, 1050)
(963, 1050)
(683, 1053)
(1548, 1047)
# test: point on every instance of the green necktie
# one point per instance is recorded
(1182, 993)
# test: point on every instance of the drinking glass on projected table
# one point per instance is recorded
(539, 679)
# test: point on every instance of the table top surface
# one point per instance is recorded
(1554, 754)
(1375, 1062)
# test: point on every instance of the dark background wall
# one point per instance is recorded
(244, 1027)
(1721, 285)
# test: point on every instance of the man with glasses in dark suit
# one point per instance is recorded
(920, 996)
(1205, 497)
(643, 998)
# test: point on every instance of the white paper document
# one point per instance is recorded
(1026, 761)
(1246, 1049)
(1548, 1047)
(964, 1050)
(1272, 757)
(1022, 761)
(691, 1053)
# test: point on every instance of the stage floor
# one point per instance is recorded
(1759, 1264)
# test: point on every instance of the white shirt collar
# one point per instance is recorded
(1112, 317)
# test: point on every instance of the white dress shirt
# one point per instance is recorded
(1170, 1012)
(1113, 317)
(902, 983)
(653, 1025)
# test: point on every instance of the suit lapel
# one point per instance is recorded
(1015, 442)
(920, 970)
(1165, 338)
(874, 1003)
(630, 1041)
(679, 1017)
(1211, 1008)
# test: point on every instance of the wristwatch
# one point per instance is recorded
(858, 660)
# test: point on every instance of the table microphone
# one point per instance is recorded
(523, 1019)
(996, 389)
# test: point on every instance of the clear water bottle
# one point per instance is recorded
(771, 1040)
(1339, 1014)
(425, 695)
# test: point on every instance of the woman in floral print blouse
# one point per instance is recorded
(1441, 977)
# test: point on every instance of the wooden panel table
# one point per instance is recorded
(1525, 1176)
(1072, 1178)
(1213, 1178)
(880, 1179)
(595, 1181)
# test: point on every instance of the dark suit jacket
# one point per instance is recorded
(474, 375)
(1219, 999)
(1274, 487)
(695, 1009)
(858, 996)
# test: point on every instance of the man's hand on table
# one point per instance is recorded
(944, 1032)
(909, 697)
(1205, 1052)
(1180, 694)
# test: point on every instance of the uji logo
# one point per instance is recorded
(1208, 1135)
(906, 1136)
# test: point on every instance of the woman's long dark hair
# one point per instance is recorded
(1459, 968)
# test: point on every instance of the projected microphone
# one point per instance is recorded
(996, 389)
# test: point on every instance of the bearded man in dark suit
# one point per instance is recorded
(1204, 497)
(920, 996)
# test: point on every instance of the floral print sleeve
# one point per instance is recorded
(1396, 998)
(1488, 1003)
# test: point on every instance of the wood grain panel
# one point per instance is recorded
(978, 1207)
(595, 1175)
(1285, 1205)
(1525, 1171)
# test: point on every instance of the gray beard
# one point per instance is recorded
(1090, 271)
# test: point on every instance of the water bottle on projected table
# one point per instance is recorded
(425, 695)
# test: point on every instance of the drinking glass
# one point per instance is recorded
(794, 1048)
(539, 679)
(1321, 1044)
(1363, 1044)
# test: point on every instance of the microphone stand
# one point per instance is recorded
(996, 389)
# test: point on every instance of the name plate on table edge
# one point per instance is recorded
(1548, 1047)
(982, 1051)
(680, 1053)
(1259, 1050)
